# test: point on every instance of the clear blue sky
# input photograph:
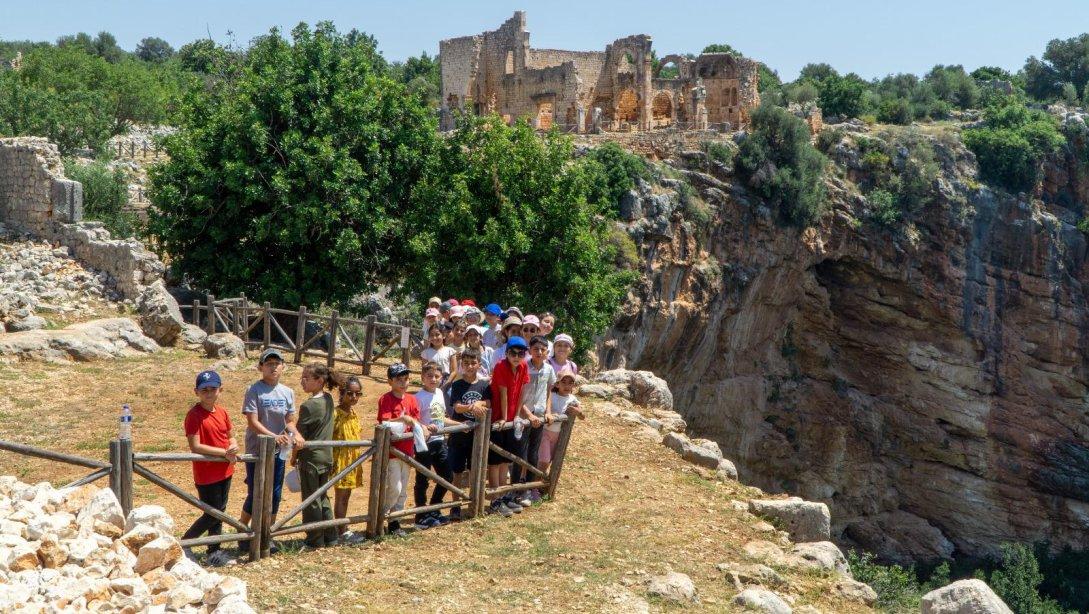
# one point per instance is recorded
(870, 37)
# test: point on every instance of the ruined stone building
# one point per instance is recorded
(590, 91)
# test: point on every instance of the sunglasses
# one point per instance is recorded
(516, 352)
(350, 393)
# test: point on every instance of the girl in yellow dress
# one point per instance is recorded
(346, 427)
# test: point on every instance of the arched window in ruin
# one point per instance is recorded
(668, 69)
(509, 69)
(627, 106)
(661, 108)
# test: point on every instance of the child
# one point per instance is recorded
(512, 327)
(393, 407)
(316, 464)
(346, 427)
(432, 404)
(474, 339)
(563, 402)
(561, 352)
(548, 323)
(491, 332)
(508, 379)
(431, 316)
(469, 401)
(208, 431)
(438, 352)
(269, 409)
(535, 405)
(455, 339)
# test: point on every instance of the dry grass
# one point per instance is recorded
(626, 508)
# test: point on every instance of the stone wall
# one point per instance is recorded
(33, 190)
(35, 197)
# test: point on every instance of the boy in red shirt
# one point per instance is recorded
(208, 431)
(400, 408)
(508, 378)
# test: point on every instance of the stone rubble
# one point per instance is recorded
(72, 549)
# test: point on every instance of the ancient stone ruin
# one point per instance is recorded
(593, 91)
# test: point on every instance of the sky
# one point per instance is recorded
(870, 37)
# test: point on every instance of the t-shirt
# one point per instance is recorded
(316, 423)
(559, 408)
(272, 404)
(432, 410)
(540, 384)
(557, 367)
(504, 376)
(440, 356)
(391, 408)
(212, 428)
(465, 393)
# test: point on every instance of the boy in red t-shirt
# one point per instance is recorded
(398, 407)
(208, 431)
(508, 378)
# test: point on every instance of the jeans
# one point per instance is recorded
(215, 495)
(528, 447)
(310, 478)
(277, 485)
(436, 459)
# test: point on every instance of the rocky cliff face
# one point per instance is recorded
(928, 383)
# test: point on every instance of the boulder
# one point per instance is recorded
(743, 575)
(644, 387)
(193, 336)
(762, 600)
(153, 516)
(233, 604)
(160, 552)
(704, 456)
(822, 555)
(30, 322)
(22, 558)
(964, 597)
(160, 317)
(225, 588)
(224, 345)
(673, 586)
(139, 536)
(805, 521)
(726, 471)
(50, 554)
(183, 595)
(853, 590)
(103, 507)
(94, 340)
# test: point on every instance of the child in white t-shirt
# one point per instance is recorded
(563, 403)
(438, 352)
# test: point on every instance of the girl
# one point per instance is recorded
(563, 402)
(437, 351)
(474, 340)
(561, 352)
(346, 427)
(548, 323)
(456, 338)
(316, 464)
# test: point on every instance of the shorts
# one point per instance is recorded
(459, 452)
(506, 441)
(548, 446)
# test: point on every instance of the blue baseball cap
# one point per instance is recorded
(208, 379)
(493, 309)
(517, 342)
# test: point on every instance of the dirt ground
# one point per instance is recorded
(626, 508)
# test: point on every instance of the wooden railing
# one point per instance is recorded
(333, 337)
(125, 464)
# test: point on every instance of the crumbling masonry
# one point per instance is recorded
(592, 91)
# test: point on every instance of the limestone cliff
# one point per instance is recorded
(928, 382)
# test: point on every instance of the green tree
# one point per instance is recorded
(154, 49)
(953, 85)
(291, 180)
(1017, 579)
(721, 48)
(842, 96)
(105, 196)
(201, 56)
(778, 162)
(1042, 81)
(506, 218)
(817, 72)
(1012, 143)
(420, 75)
(616, 171)
(106, 47)
(991, 73)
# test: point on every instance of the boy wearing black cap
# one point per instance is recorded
(397, 406)
(208, 431)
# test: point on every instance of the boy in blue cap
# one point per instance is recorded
(208, 431)
(491, 332)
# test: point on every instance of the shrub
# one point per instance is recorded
(885, 211)
(695, 208)
(897, 588)
(719, 152)
(828, 138)
(105, 196)
(616, 171)
(842, 96)
(895, 111)
(1011, 145)
(1017, 579)
(779, 163)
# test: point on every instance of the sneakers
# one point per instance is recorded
(188, 552)
(393, 529)
(274, 547)
(424, 523)
(497, 507)
(356, 538)
(512, 506)
(524, 500)
(220, 558)
(455, 515)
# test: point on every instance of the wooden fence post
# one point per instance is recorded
(244, 319)
(126, 476)
(300, 334)
(196, 313)
(115, 467)
(558, 456)
(375, 524)
(211, 314)
(331, 351)
(271, 450)
(257, 519)
(268, 324)
(368, 344)
(478, 471)
(406, 348)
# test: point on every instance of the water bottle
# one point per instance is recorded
(519, 424)
(124, 430)
(285, 450)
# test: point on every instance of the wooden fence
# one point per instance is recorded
(332, 337)
(125, 464)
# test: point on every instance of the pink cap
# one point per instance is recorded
(531, 319)
(431, 311)
(453, 302)
(457, 311)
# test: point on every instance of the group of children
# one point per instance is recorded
(479, 364)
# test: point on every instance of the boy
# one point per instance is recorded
(508, 379)
(269, 409)
(536, 402)
(491, 332)
(470, 400)
(432, 404)
(474, 339)
(398, 407)
(208, 431)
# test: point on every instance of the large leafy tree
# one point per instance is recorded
(843, 96)
(290, 179)
(154, 49)
(505, 217)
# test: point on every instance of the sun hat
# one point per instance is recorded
(564, 338)
(514, 311)
(457, 311)
(445, 306)
(511, 321)
(453, 302)
(431, 311)
(434, 300)
(517, 343)
(475, 329)
(208, 379)
(468, 302)
(531, 319)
